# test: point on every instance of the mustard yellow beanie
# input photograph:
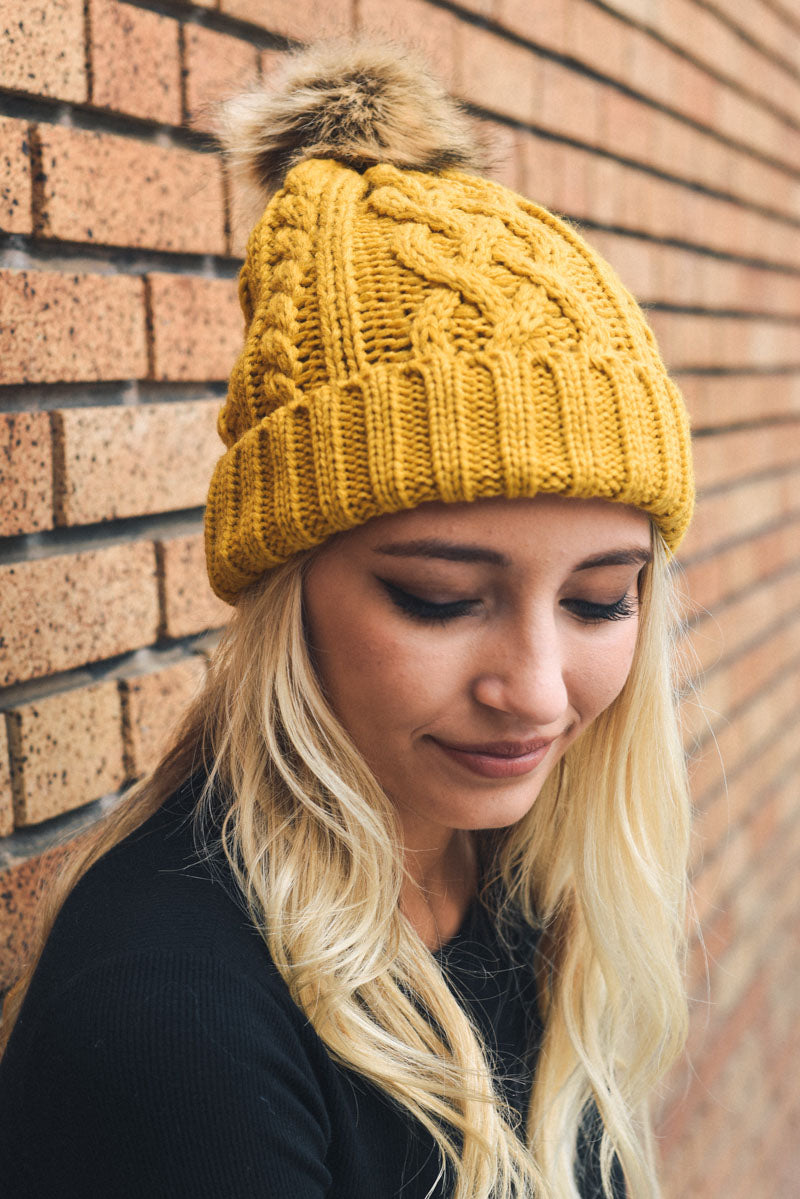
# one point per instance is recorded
(415, 332)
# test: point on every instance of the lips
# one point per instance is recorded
(498, 759)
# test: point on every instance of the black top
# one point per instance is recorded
(159, 1053)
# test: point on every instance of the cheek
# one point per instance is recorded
(602, 671)
(375, 676)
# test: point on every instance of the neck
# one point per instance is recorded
(442, 880)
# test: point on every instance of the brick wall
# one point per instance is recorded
(670, 130)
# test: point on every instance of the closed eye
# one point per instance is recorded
(423, 610)
(591, 613)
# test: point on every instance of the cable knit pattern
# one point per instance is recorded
(414, 337)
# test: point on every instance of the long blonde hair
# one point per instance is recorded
(598, 865)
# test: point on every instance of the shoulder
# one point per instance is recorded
(155, 894)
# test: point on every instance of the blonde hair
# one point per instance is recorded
(598, 865)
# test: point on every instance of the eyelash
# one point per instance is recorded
(428, 612)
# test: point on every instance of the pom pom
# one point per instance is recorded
(360, 101)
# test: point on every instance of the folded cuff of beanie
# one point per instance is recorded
(452, 428)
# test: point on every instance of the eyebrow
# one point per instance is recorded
(449, 551)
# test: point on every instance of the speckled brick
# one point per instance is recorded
(6, 805)
(115, 462)
(21, 888)
(15, 177)
(43, 47)
(189, 604)
(66, 750)
(97, 187)
(197, 326)
(149, 83)
(300, 19)
(58, 328)
(215, 65)
(61, 612)
(153, 705)
(26, 473)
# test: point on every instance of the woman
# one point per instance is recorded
(401, 913)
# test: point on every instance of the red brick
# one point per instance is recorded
(542, 167)
(15, 177)
(197, 326)
(190, 605)
(598, 39)
(300, 19)
(135, 61)
(569, 104)
(735, 455)
(215, 66)
(25, 473)
(6, 804)
(734, 513)
(715, 400)
(98, 187)
(43, 47)
(543, 24)
(497, 75)
(59, 328)
(416, 23)
(127, 461)
(689, 341)
(503, 145)
(66, 750)
(153, 705)
(64, 611)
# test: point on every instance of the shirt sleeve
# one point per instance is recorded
(164, 1076)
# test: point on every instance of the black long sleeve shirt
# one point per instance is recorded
(159, 1052)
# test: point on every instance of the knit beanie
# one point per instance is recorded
(415, 332)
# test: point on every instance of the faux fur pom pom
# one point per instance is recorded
(360, 101)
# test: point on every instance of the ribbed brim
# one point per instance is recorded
(449, 427)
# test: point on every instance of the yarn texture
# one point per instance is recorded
(413, 336)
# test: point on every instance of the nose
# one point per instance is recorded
(524, 676)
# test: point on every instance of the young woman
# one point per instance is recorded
(401, 913)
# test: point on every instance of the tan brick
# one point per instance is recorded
(498, 75)
(543, 24)
(135, 59)
(127, 461)
(43, 50)
(15, 177)
(215, 66)
(26, 473)
(153, 705)
(98, 187)
(568, 103)
(22, 886)
(61, 612)
(58, 328)
(300, 19)
(689, 341)
(190, 605)
(416, 23)
(6, 803)
(66, 750)
(597, 38)
(724, 399)
(197, 326)
(734, 455)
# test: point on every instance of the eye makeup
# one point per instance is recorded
(430, 612)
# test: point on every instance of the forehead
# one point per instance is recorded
(553, 526)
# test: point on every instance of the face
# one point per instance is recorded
(464, 647)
